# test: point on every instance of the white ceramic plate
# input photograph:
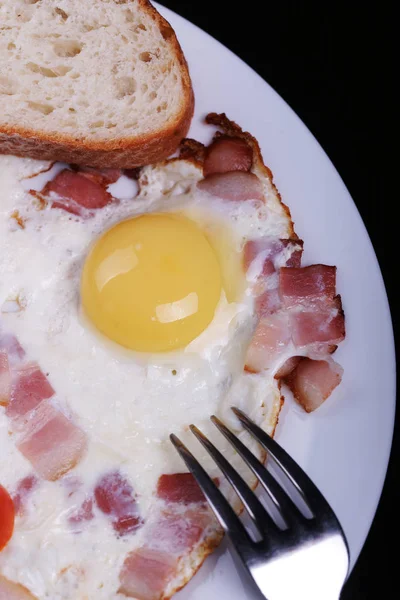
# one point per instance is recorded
(345, 445)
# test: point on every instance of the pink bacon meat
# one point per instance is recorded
(180, 522)
(307, 284)
(77, 193)
(179, 488)
(320, 328)
(146, 573)
(315, 325)
(24, 490)
(82, 514)
(312, 381)
(270, 339)
(316, 314)
(236, 186)
(266, 251)
(226, 169)
(51, 442)
(177, 532)
(30, 387)
(265, 256)
(115, 497)
(227, 154)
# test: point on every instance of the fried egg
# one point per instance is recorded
(140, 317)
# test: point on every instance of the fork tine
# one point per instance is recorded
(303, 484)
(280, 499)
(225, 514)
(256, 510)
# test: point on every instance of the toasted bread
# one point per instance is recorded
(102, 83)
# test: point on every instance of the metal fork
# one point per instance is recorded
(308, 558)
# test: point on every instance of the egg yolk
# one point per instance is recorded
(152, 283)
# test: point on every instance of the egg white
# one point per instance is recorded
(126, 403)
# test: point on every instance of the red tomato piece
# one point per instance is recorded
(7, 516)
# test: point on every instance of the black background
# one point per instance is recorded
(332, 63)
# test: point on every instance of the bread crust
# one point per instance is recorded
(124, 153)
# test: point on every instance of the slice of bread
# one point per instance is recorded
(96, 82)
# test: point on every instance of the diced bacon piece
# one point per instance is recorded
(227, 154)
(76, 193)
(51, 442)
(288, 366)
(294, 260)
(145, 574)
(115, 497)
(24, 489)
(102, 176)
(262, 250)
(179, 488)
(5, 378)
(323, 323)
(7, 515)
(30, 387)
(81, 515)
(235, 186)
(11, 345)
(270, 339)
(13, 591)
(177, 532)
(267, 303)
(307, 284)
(268, 254)
(312, 381)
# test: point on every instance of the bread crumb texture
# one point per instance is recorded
(92, 70)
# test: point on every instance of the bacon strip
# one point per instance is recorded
(179, 488)
(51, 442)
(236, 186)
(13, 591)
(307, 284)
(146, 573)
(176, 531)
(178, 522)
(270, 339)
(306, 297)
(312, 381)
(81, 515)
(267, 303)
(115, 497)
(76, 193)
(48, 439)
(288, 366)
(262, 260)
(271, 254)
(24, 490)
(320, 323)
(30, 387)
(227, 154)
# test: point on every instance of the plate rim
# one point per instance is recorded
(355, 553)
